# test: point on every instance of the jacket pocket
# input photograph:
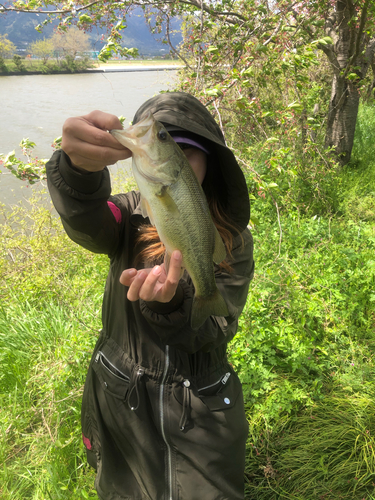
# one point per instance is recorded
(220, 393)
(111, 377)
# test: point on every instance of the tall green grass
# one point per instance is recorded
(50, 303)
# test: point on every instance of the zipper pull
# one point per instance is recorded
(97, 357)
(139, 374)
(224, 380)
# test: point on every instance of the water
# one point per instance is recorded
(37, 106)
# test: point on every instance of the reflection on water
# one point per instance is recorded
(37, 106)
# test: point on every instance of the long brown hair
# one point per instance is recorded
(153, 249)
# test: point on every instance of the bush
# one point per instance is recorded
(18, 61)
(3, 66)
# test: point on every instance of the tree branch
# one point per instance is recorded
(360, 31)
(174, 50)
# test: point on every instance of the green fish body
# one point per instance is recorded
(174, 200)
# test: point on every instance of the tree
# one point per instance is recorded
(228, 36)
(350, 48)
(43, 49)
(7, 48)
(71, 42)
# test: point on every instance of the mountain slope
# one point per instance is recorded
(20, 29)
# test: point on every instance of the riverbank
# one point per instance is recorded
(32, 67)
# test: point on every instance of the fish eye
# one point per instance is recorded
(162, 135)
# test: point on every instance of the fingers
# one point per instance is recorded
(136, 285)
(88, 144)
(173, 276)
(152, 284)
(127, 277)
(147, 290)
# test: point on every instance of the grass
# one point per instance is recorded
(49, 320)
(304, 350)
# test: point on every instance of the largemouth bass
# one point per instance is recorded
(176, 205)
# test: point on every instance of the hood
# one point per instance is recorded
(179, 110)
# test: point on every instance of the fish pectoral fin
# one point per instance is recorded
(204, 307)
(146, 210)
(167, 261)
(166, 199)
(220, 251)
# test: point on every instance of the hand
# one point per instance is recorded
(153, 283)
(88, 144)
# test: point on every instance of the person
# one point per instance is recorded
(162, 410)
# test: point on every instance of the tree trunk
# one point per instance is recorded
(350, 55)
(342, 117)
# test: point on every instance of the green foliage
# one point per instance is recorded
(307, 309)
(42, 49)
(357, 198)
(3, 66)
(305, 347)
(33, 170)
(7, 48)
(113, 45)
(18, 61)
(47, 332)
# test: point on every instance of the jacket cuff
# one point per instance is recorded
(77, 179)
(174, 315)
(168, 307)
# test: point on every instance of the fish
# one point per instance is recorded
(174, 201)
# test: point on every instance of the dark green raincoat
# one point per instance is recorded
(162, 410)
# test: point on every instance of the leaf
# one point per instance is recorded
(254, 221)
(214, 92)
(327, 40)
(296, 105)
(84, 18)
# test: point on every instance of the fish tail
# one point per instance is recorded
(203, 307)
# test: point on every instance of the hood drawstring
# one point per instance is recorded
(185, 405)
(138, 375)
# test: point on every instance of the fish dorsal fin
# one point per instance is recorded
(220, 251)
(146, 210)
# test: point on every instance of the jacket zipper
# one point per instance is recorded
(169, 451)
(223, 380)
(100, 356)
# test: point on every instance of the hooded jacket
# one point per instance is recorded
(162, 410)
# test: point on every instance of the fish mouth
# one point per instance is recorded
(134, 138)
(136, 135)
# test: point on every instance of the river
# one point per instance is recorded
(36, 107)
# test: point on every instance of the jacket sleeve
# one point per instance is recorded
(174, 328)
(81, 199)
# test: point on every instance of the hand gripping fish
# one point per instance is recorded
(176, 205)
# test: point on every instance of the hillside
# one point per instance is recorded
(20, 29)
